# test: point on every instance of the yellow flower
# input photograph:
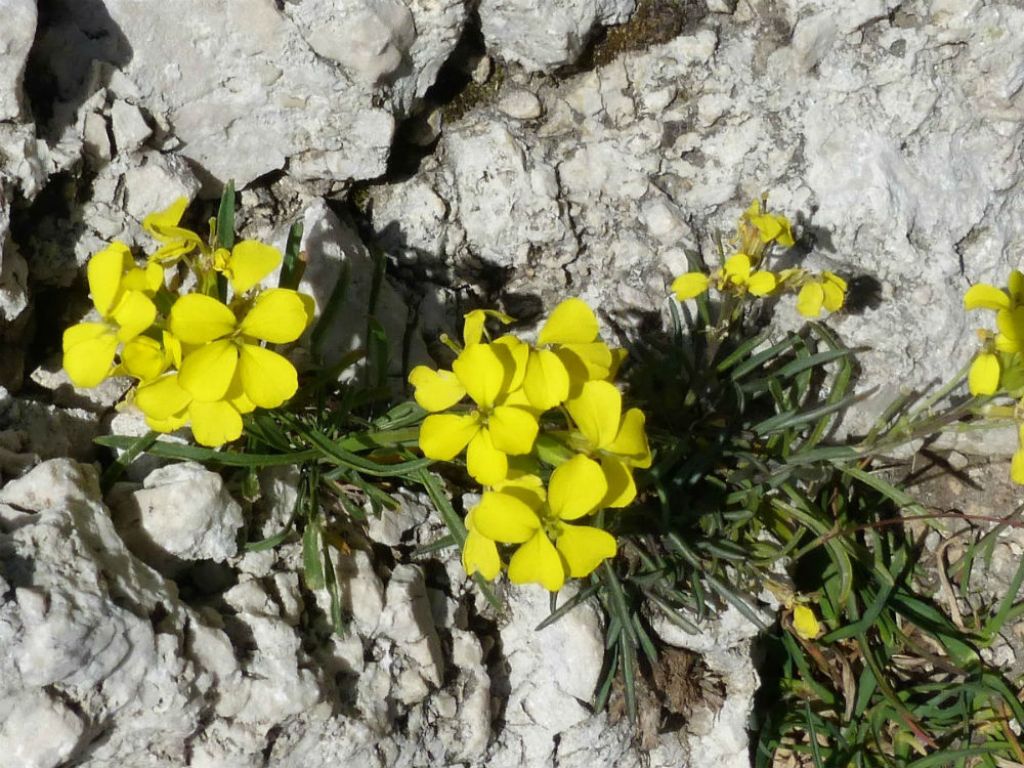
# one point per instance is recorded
(569, 352)
(474, 325)
(480, 554)
(176, 241)
(1017, 463)
(983, 296)
(502, 424)
(168, 406)
(145, 358)
(983, 377)
(551, 550)
(690, 285)
(223, 346)
(738, 272)
(770, 227)
(121, 294)
(828, 291)
(737, 276)
(618, 440)
(805, 623)
(246, 264)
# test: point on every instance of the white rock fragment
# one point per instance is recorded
(521, 105)
(16, 35)
(543, 36)
(333, 248)
(721, 736)
(408, 623)
(129, 126)
(362, 593)
(183, 512)
(98, 149)
(550, 673)
(37, 731)
(80, 622)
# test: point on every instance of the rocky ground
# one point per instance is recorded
(502, 151)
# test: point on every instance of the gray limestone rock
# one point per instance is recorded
(182, 513)
(16, 36)
(543, 36)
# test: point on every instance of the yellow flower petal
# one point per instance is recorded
(810, 300)
(586, 361)
(250, 261)
(89, 350)
(571, 322)
(983, 378)
(630, 444)
(206, 373)
(1017, 467)
(197, 319)
(584, 548)
(144, 358)
(762, 283)
(1015, 286)
(576, 487)
(805, 623)
(104, 273)
(163, 398)
(505, 517)
(171, 423)
(480, 554)
(444, 435)
(156, 223)
(278, 316)
(514, 355)
(547, 381)
(737, 268)
(597, 410)
(475, 320)
(690, 285)
(435, 390)
(80, 332)
(483, 374)
(621, 488)
(833, 296)
(485, 463)
(268, 379)
(215, 423)
(537, 562)
(134, 313)
(1011, 324)
(982, 296)
(512, 429)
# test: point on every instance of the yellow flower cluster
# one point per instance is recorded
(999, 364)
(757, 233)
(552, 402)
(198, 360)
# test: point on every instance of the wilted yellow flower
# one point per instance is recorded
(805, 623)
(176, 241)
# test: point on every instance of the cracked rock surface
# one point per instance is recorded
(509, 152)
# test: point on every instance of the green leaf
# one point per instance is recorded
(168, 450)
(134, 447)
(292, 265)
(312, 565)
(226, 217)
